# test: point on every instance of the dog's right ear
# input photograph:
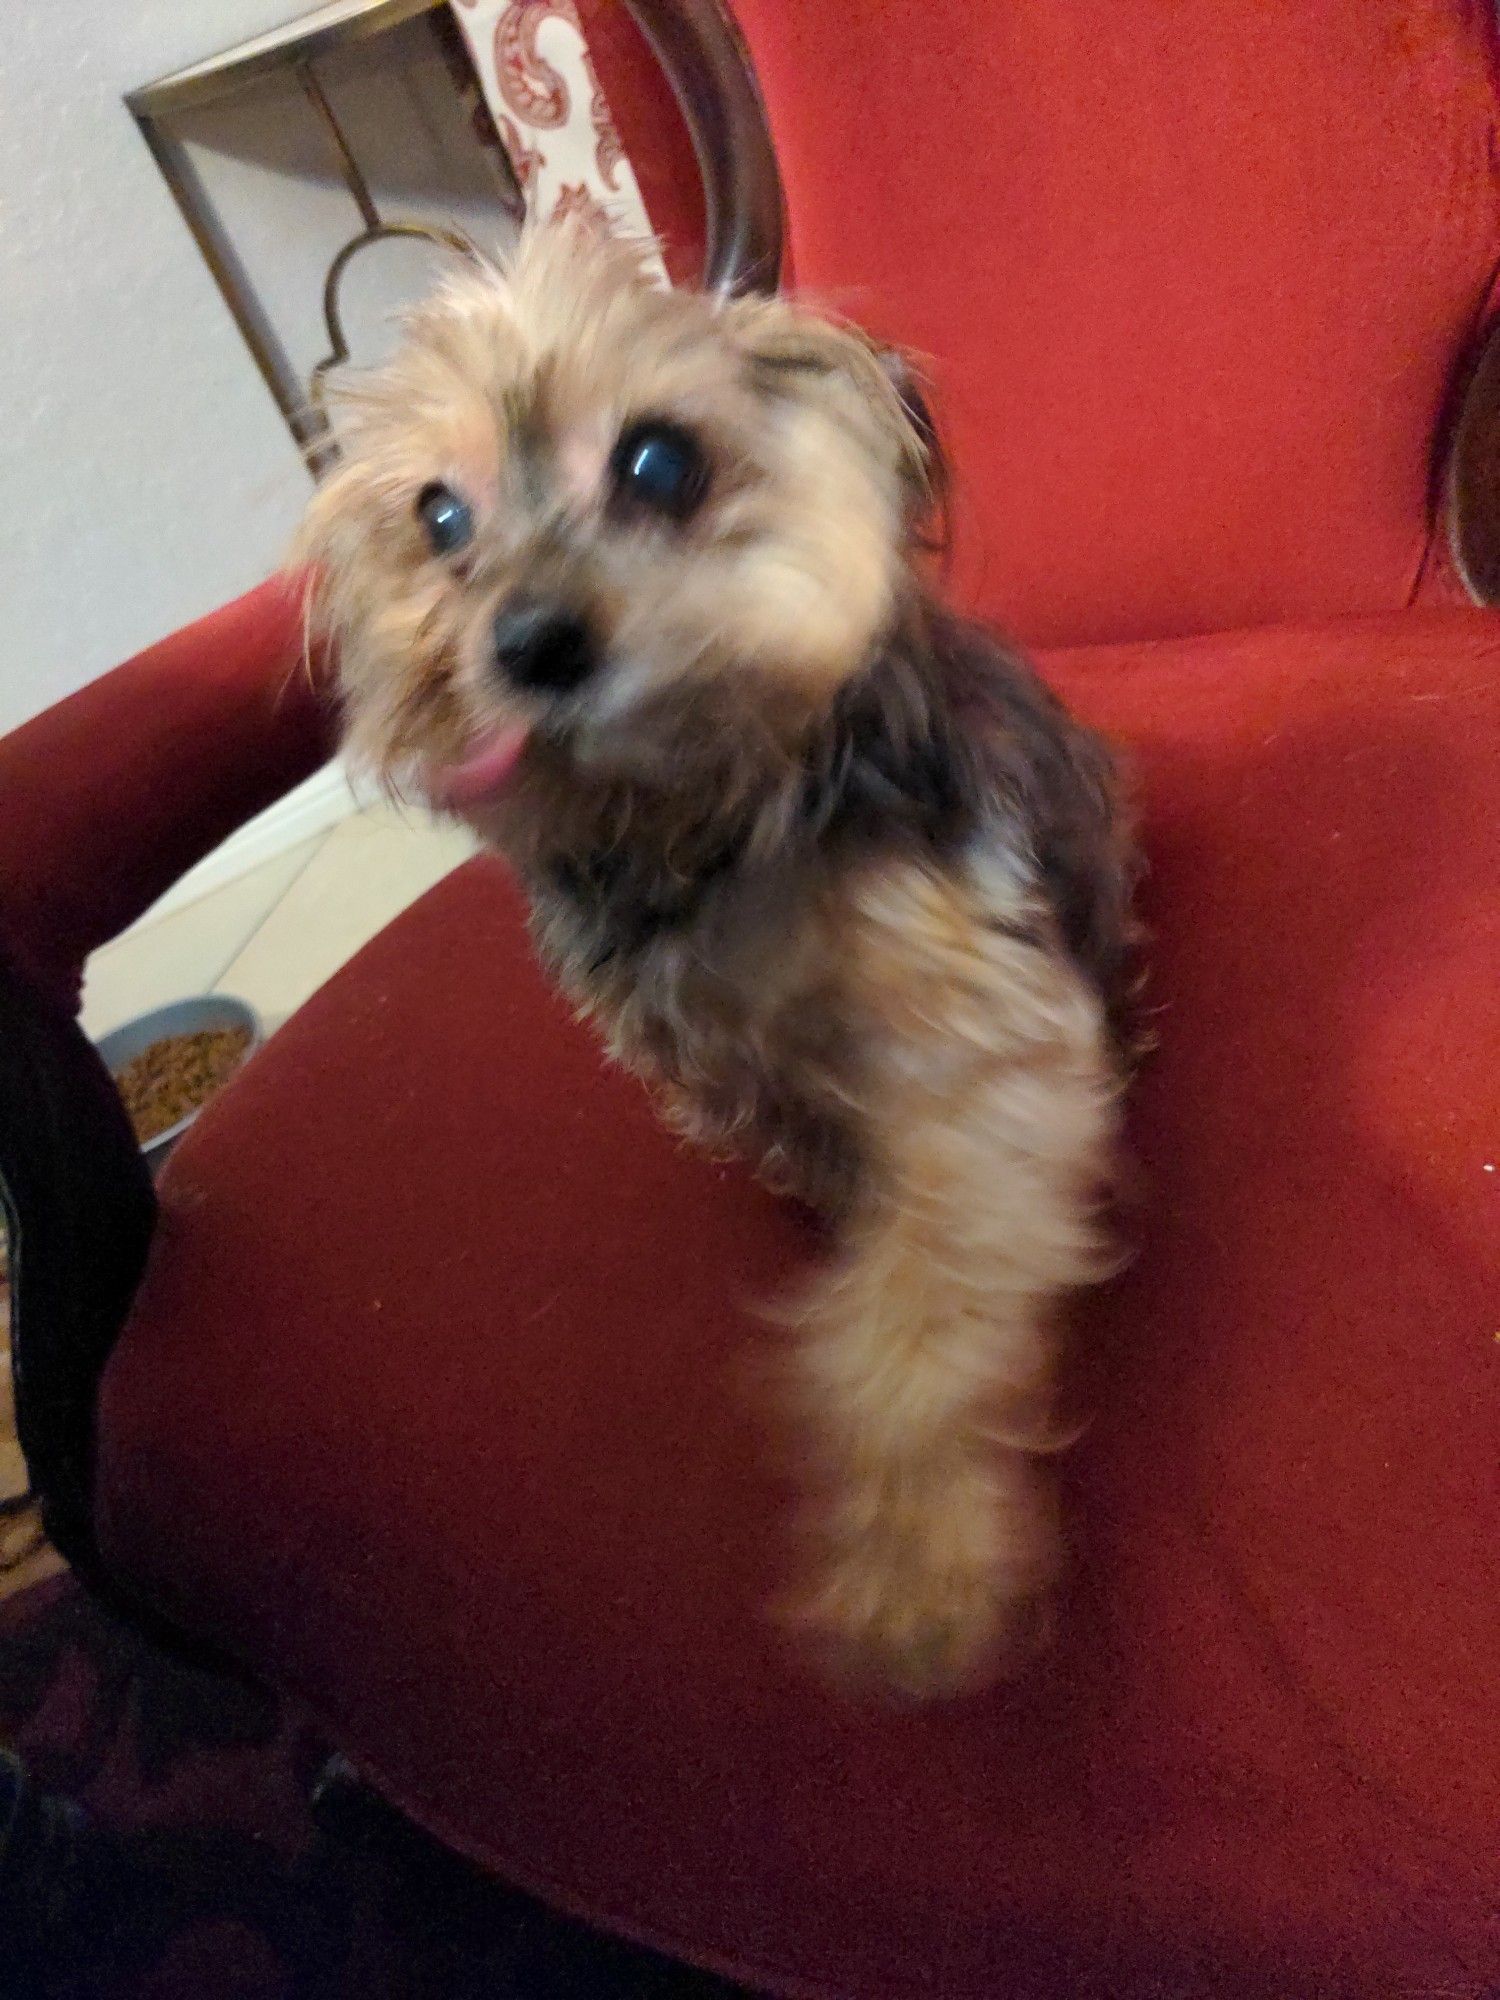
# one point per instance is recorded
(936, 486)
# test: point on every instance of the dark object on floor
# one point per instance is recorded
(171, 1833)
(40, 1837)
(86, 1909)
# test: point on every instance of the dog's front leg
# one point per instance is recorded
(925, 1353)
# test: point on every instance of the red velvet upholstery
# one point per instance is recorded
(106, 799)
(431, 1408)
(1195, 278)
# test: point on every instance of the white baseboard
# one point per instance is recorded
(316, 805)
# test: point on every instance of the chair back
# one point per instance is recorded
(1195, 279)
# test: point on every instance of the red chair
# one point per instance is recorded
(428, 1406)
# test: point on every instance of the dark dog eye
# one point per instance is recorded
(661, 467)
(448, 519)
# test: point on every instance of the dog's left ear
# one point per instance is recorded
(933, 490)
(789, 347)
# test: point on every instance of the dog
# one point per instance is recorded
(635, 580)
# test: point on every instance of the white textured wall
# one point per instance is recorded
(145, 474)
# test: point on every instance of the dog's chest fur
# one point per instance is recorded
(698, 927)
(718, 990)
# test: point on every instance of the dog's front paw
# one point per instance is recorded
(935, 1600)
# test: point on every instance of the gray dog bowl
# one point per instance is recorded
(182, 1017)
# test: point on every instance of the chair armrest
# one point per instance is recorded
(106, 799)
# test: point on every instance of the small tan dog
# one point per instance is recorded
(631, 578)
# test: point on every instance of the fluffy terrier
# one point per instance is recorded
(633, 580)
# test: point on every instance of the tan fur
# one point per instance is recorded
(927, 1349)
(828, 936)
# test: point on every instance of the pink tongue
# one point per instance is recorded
(485, 769)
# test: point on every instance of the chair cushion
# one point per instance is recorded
(1194, 279)
(433, 1408)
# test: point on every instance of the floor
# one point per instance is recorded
(207, 1874)
(274, 935)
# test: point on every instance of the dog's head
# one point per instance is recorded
(578, 507)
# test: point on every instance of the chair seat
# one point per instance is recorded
(434, 1410)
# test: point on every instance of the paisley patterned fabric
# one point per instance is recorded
(536, 69)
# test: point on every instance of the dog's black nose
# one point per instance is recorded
(541, 645)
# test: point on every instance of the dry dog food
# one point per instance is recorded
(176, 1075)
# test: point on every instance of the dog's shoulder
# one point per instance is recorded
(893, 759)
(949, 736)
(1061, 788)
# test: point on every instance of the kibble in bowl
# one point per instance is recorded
(169, 1063)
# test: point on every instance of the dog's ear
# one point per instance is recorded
(791, 349)
(933, 489)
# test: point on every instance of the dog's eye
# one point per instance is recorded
(448, 520)
(661, 467)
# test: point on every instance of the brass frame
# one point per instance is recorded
(698, 46)
(378, 232)
(269, 54)
(275, 54)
